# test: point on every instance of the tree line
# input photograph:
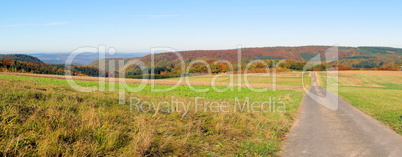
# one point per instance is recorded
(207, 67)
(42, 68)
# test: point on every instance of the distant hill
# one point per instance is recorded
(20, 57)
(353, 57)
(168, 64)
(81, 59)
(170, 59)
(28, 64)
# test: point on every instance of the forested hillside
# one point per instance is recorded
(20, 57)
(379, 58)
(29, 64)
(169, 65)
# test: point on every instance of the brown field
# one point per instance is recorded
(365, 78)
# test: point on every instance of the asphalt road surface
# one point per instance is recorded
(320, 131)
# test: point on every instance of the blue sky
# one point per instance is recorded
(136, 26)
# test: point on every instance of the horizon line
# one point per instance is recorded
(63, 52)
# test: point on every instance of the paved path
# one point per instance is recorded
(321, 132)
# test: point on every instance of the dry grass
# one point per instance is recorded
(38, 118)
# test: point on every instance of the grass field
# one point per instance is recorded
(284, 80)
(45, 116)
(377, 93)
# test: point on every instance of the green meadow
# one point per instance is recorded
(376, 93)
(283, 78)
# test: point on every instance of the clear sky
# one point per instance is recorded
(136, 26)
